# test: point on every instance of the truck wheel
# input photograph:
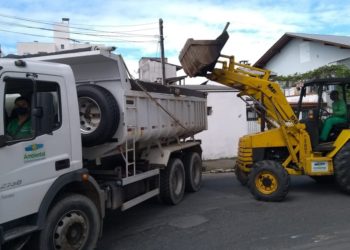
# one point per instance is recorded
(72, 223)
(341, 168)
(99, 114)
(172, 182)
(193, 171)
(268, 181)
(241, 176)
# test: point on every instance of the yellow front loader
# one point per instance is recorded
(288, 146)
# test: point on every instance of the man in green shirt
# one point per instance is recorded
(20, 127)
(339, 115)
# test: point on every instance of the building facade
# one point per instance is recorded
(299, 53)
(61, 42)
(227, 122)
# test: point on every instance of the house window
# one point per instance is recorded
(62, 46)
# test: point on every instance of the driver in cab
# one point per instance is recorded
(339, 114)
(20, 126)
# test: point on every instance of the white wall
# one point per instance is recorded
(61, 35)
(151, 71)
(225, 126)
(300, 56)
(34, 47)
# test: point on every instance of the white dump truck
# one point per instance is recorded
(98, 140)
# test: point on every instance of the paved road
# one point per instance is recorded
(223, 215)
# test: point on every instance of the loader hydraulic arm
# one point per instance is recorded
(201, 58)
(254, 83)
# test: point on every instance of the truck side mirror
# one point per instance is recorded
(44, 113)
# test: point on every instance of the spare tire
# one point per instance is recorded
(99, 114)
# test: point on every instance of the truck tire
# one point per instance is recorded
(72, 223)
(193, 171)
(241, 176)
(99, 114)
(341, 168)
(172, 182)
(269, 181)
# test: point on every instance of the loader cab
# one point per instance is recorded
(316, 115)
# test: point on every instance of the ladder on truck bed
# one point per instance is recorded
(132, 176)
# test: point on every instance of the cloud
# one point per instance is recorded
(254, 25)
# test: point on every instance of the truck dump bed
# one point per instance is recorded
(198, 57)
(148, 112)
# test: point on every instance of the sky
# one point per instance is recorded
(133, 26)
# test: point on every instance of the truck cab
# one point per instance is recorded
(32, 163)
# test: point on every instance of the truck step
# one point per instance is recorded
(19, 231)
(139, 177)
(139, 199)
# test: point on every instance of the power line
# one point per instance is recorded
(76, 33)
(74, 25)
(78, 41)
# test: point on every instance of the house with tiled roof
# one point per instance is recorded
(299, 53)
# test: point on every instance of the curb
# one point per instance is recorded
(219, 170)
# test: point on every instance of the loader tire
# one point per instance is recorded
(269, 181)
(99, 114)
(193, 171)
(241, 176)
(72, 223)
(342, 169)
(172, 182)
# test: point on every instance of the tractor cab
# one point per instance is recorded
(315, 116)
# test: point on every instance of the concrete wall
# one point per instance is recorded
(151, 70)
(35, 47)
(61, 35)
(225, 126)
(300, 56)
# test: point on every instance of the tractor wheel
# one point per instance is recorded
(241, 176)
(341, 168)
(268, 181)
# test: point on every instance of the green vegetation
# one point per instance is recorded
(321, 72)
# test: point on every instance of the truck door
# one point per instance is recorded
(37, 149)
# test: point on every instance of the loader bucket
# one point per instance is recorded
(198, 57)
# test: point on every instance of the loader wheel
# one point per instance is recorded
(172, 182)
(73, 223)
(99, 114)
(241, 176)
(268, 181)
(341, 168)
(193, 171)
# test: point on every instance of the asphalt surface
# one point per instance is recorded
(224, 215)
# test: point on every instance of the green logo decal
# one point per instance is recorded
(34, 152)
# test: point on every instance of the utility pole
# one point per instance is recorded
(161, 41)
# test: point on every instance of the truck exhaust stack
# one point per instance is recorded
(198, 57)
